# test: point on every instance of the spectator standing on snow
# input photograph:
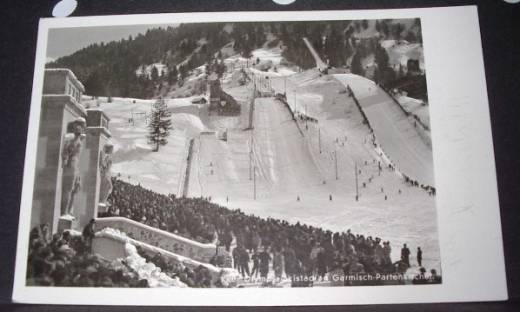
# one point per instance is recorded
(243, 261)
(314, 256)
(405, 255)
(256, 264)
(278, 263)
(290, 261)
(265, 258)
(235, 253)
(226, 239)
(321, 260)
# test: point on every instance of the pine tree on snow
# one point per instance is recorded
(356, 67)
(173, 75)
(154, 73)
(382, 60)
(160, 125)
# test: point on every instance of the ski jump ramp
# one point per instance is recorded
(319, 63)
(394, 132)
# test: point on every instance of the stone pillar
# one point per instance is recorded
(97, 136)
(57, 111)
(105, 171)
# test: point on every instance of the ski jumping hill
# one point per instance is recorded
(397, 136)
(277, 170)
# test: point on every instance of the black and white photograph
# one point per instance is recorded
(233, 154)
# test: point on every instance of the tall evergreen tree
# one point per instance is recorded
(364, 24)
(401, 71)
(183, 72)
(154, 73)
(378, 26)
(381, 57)
(398, 30)
(220, 68)
(247, 49)
(384, 28)
(173, 75)
(382, 73)
(160, 125)
(356, 67)
(410, 37)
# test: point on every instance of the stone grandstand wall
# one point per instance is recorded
(162, 239)
(111, 245)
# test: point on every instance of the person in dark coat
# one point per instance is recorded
(265, 258)
(236, 254)
(322, 263)
(419, 256)
(405, 255)
(290, 262)
(159, 261)
(243, 261)
(226, 239)
(278, 262)
(256, 264)
(89, 233)
(255, 240)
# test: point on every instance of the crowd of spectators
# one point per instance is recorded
(175, 215)
(305, 250)
(199, 277)
(66, 260)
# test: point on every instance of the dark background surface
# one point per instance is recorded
(500, 27)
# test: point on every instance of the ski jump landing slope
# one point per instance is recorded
(396, 135)
(284, 166)
(280, 150)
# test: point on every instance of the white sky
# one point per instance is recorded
(65, 41)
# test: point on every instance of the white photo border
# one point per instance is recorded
(467, 205)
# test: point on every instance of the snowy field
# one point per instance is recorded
(133, 157)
